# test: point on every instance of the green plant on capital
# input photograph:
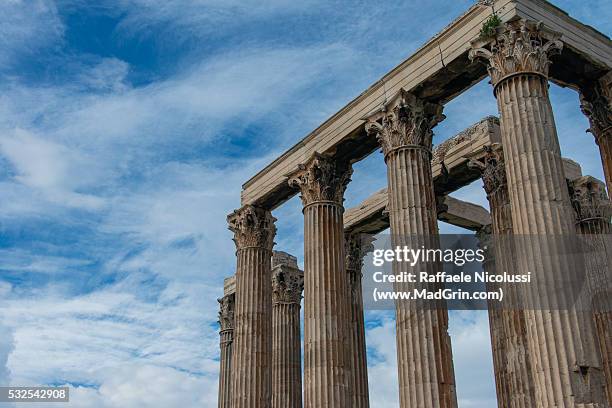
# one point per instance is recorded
(489, 26)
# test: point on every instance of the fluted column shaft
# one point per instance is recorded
(565, 364)
(508, 330)
(226, 320)
(252, 350)
(593, 211)
(287, 286)
(286, 351)
(356, 248)
(424, 355)
(322, 182)
(496, 325)
(560, 338)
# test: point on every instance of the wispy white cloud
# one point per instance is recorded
(26, 27)
(50, 168)
(109, 74)
(138, 385)
(6, 347)
(19, 260)
(147, 316)
(120, 325)
(203, 16)
(156, 167)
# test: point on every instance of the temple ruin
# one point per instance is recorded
(541, 358)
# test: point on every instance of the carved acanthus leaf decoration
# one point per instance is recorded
(287, 284)
(321, 178)
(356, 247)
(226, 312)
(519, 46)
(492, 168)
(252, 227)
(597, 106)
(404, 121)
(589, 199)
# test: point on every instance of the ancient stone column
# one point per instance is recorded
(511, 365)
(566, 367)
(496, 324)
(254, 232)
(593, 211)
(596, 104)
(356, 247)
(403, 128)
(287, 286)
(322, 182)
(226, 321)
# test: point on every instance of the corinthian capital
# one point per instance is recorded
(321, 178)
(491, 167)
(226, 312)
(596, 104)
(519, 46)
(356, 247)
(589, 199)
(252, 227)
(287, 279)
(405, 120)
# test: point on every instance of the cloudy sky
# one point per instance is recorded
(126, 130)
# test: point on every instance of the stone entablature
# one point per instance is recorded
(469, 134)
(438, 71)
(491, 166)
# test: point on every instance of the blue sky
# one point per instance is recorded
(126, 130)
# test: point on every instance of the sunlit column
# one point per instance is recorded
(424, 356)
(566, 367)
(254, 232)
(511, 365)
(322, 182)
